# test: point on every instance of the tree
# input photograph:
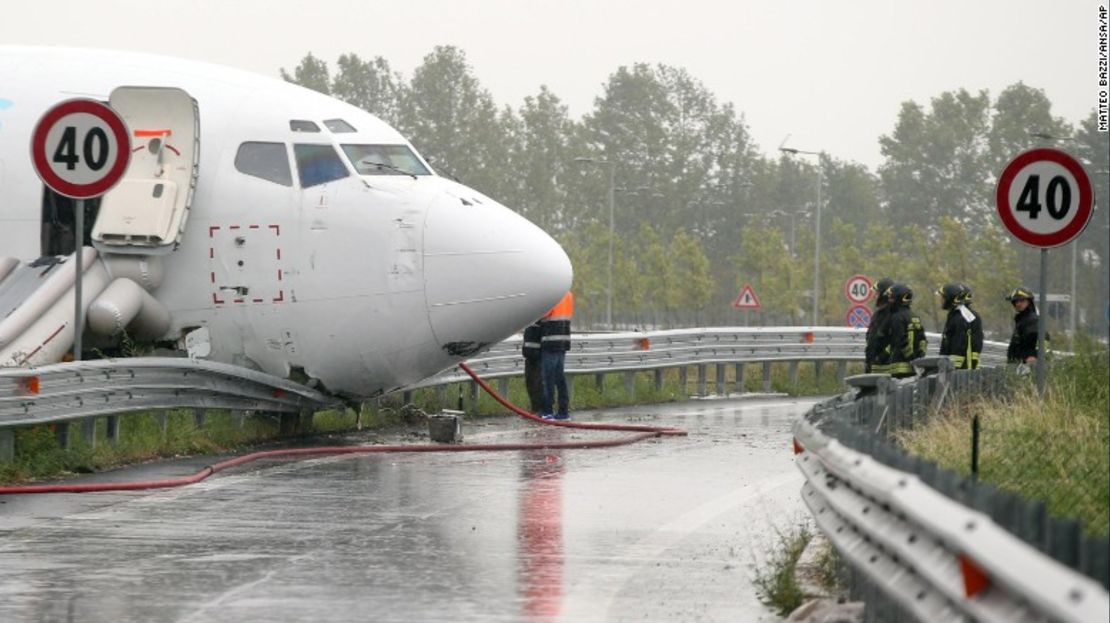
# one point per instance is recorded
(542, 157)
(936, 162)
(454, 122)
(311, 73)
(370, 85)
(693, 286)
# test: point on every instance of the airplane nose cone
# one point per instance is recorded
(488, 273)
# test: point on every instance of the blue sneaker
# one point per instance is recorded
(547, 416)
(562, 416)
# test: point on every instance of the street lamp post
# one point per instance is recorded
(612, 189)
(817, 228)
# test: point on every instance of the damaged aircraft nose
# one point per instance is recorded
(489, 272)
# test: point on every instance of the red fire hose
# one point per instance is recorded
(642, 433)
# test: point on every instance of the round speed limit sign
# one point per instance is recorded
(1044, 198)
(858, 288)
(80, 148)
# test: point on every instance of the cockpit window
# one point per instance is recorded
(384, 160)
(268, 161)
(339, 126)
(300, 125)
(318, 164)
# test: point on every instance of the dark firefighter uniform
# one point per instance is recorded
(533, 380)
(875, 328)
(962, 338)
(906, 335)
(1023, 343)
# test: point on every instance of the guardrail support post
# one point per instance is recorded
(599, 382)
(682, 380)
(793, 372)
(406, 397)
(199, 416)
(441, 396)
(630, 384)
(503, 386)
(113, 429)
(61, 433)
(658, 372)
(473, 406)
(766, 377)
(841, 370)
(7, 445)
(739, 378)
(164, 422)
(307, 420)
(722, 390)
(703, 390)
(88, 432)
(818, 368)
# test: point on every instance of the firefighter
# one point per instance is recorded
(906, 334)
(962, 338)
(554, 344)
(875, 328)
(533, 380)
(1023, 343)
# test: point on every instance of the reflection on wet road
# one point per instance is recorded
(664, 530)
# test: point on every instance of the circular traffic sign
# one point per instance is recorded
(80, 148)
(1044, 197)
(858, 288)
(858, 316)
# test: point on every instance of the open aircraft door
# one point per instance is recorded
(146, 212)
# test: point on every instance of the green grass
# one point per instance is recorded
(775, 581)
(1056, 449)
(142, 437)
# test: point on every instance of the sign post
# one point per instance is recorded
(1044, 198)
(80, 149)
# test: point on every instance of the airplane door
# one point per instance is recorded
(146, 212)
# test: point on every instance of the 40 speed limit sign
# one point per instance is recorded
(80, 148)
(1044, 198)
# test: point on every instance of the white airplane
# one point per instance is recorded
(267, 225)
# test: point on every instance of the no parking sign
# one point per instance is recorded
(858, 317)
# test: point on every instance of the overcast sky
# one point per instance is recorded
(831, 73)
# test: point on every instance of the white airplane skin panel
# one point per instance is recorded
(487, 268)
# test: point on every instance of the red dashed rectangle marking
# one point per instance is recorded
(258, 300)
(212, 231)
(280, 297)
(276, 228)
(253, 226)
(211, 253)
(233, 227)
(217, 300)
(279, 253)
(213, 277)
(279, 274)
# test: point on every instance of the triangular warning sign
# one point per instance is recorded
(747, 299)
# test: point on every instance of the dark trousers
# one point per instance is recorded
(533, 382)
(554, 380)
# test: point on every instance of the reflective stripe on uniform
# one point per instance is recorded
(902, 367)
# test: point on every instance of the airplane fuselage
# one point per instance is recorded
(368, 280)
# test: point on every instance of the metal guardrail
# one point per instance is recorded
(929, 555)
(81, 389)
(650, 350)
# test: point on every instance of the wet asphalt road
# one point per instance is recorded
(662, 530)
